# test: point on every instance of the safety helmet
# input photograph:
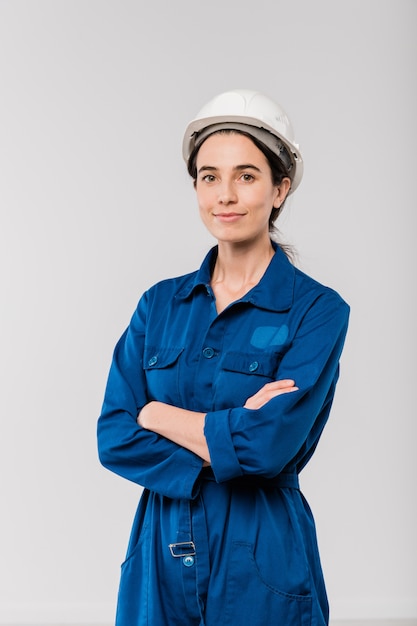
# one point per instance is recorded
(254, 113)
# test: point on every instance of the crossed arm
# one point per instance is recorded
(186, 428)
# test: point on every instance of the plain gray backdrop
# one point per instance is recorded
(96, 206)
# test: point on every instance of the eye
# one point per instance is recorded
(247, 178)
(208, 178)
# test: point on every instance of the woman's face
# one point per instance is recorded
(234, 188)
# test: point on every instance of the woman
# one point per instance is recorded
(217, 396)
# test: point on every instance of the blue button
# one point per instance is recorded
(188, 561)
(208, 353)
(152, 361)
(253, 366)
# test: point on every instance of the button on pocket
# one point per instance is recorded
(208, 353)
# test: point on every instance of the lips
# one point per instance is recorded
(228, 217)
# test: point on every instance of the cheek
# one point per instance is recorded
(203, 207)
(271, 198)
(204, 199)
(202, 211)
(260, 201)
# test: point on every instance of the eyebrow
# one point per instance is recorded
(237, 168)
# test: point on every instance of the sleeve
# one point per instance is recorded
(286, 429)
(123, 446)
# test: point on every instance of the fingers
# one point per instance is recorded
(269, 391)
(279, 384)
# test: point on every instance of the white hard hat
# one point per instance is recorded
(251, 111)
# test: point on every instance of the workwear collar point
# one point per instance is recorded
(274, 292)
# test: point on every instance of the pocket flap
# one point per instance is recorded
(259, 363)
(156, 357)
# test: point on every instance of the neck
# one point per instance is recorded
(241, 267)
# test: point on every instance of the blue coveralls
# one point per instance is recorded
(234, 544)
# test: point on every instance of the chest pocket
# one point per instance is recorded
(252, 363)
(161, 367)
(242, 374)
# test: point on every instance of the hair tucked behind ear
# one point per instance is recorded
(278, 173)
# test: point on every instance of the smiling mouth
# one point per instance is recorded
(228, 216)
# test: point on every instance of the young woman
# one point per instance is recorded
(218, 393)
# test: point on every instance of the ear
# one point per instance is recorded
(282, 192)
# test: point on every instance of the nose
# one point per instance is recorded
(227, 193)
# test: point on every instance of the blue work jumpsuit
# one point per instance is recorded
(234, 544)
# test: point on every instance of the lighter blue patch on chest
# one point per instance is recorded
(264, 336)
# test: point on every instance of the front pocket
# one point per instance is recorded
(252, 363)
(242, 374)
(255, 601)
(161, 365)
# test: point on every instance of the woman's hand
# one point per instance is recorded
(269, 391)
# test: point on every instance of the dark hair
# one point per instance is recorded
(278, 173)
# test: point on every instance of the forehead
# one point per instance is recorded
(230, 149)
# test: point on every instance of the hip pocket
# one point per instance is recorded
(133, 596)
(254, 599)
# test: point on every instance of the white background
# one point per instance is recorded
(96, 206)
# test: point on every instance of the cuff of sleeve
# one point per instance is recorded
(184, 482)
(224, 462)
